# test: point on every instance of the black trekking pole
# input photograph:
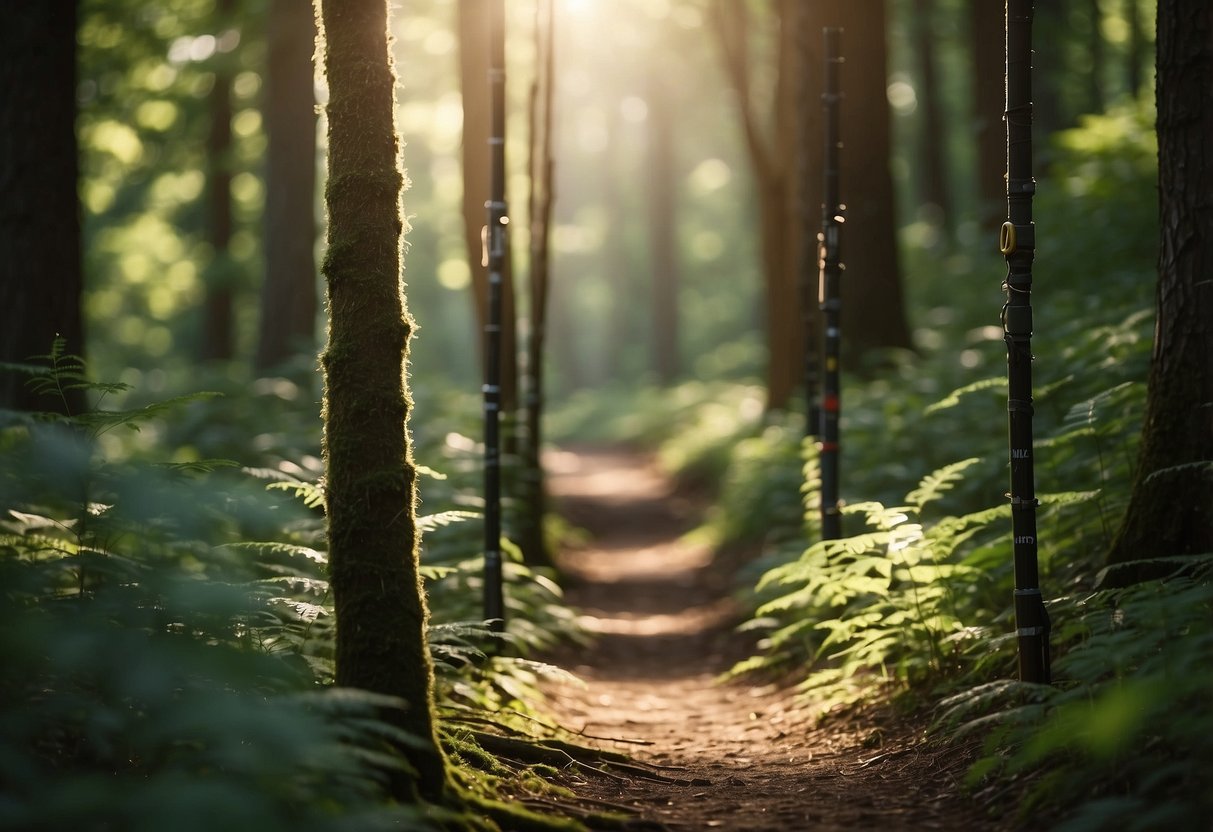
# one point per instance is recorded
(809, 254)
(495, 243)
(831, 268)
(1017, 241)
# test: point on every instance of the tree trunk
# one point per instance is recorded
(218, 335)
(1135, 57)
(985, 44)
(617, 261)
(1095, 48)
(288, 293)
(540, 164)
(1169, 509)
(370, 473)
(873, 271)
(663, 230)
(40, 273)
(474, 79)
(774, 157)
(1050, 70)
(935, 192)
(873, 305)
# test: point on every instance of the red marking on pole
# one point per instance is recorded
(830, 403)
(827, 446)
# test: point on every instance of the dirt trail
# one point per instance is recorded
(748, 757)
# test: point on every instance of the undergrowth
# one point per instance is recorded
(169, 630)
(915, 602)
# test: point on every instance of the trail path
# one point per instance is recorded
(746, 757)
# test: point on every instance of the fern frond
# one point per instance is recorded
(933, 485)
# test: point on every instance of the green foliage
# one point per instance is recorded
(918, 603)
(170, 644)
(146, 676)
(1123, 740)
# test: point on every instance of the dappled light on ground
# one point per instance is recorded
(738, 755)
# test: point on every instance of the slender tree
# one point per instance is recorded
(1170, 510)
(1134, 59)
(1095, 51)
(370, 474)
(935, 185)
(874, 270)
(539, 209)
(40, 273)
(985, 47)
(773, 156)
(663, 228)
(288, 293)
(218, 333)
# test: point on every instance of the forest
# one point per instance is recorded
(606, 414)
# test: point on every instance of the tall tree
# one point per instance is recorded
(370, 474)
(663, 228)
(1136, 51)
(985, 46)
(773, 157)
(935, 187)
(218, 332)
(541, 166)
(40, 273)
(288, 293)
(873, 269)
(1050, 68)
(1169, 509)
(474, 82)
(1095, 51)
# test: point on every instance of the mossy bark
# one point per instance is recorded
(370, 474)
(1171, 508)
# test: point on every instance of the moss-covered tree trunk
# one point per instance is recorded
(371, 477)
(1171, 507)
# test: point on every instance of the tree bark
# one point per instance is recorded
(985, 44)
(370, 473)
(1169, 508)
(40, 273)
(288, 293)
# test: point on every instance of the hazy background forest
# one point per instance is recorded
(147, 89)
(201, 236)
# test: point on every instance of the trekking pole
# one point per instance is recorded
(495, 243)
(1017, 241)
(809, 253)
(831, 268)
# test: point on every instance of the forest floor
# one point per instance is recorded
(735, 755)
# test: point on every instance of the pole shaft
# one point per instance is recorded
(829, 300)
(1018, 244)
(495, 240)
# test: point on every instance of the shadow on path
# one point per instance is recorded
(746, 757)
